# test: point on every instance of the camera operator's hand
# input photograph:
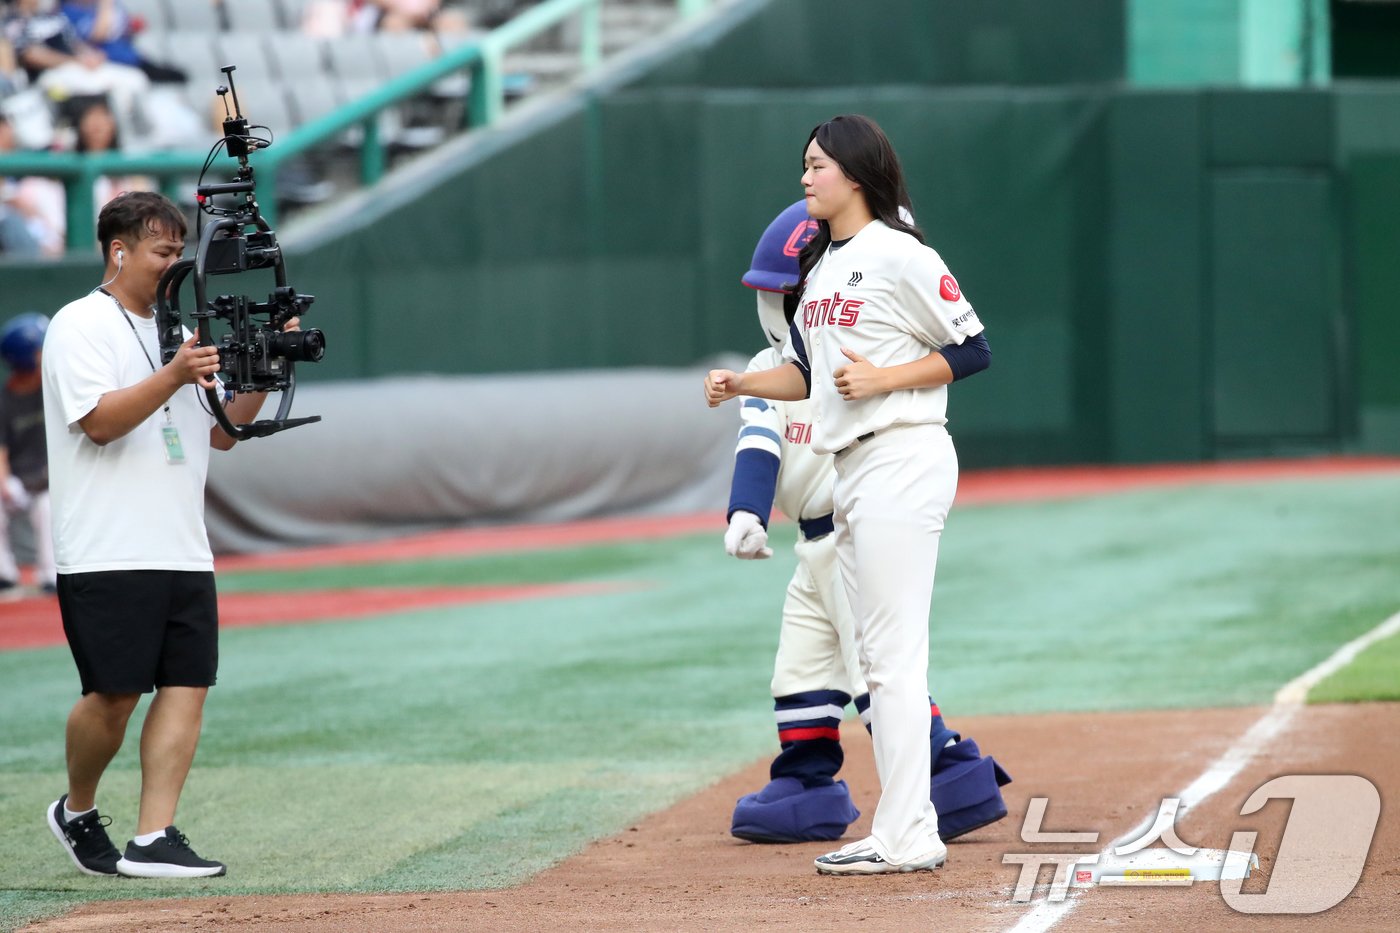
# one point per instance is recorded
(291, 325)
(195, 364)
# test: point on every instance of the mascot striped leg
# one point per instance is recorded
(803, 801)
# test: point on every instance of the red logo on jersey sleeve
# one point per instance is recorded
(948, 288)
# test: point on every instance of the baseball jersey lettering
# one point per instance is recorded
(831, 312)
(798, 433)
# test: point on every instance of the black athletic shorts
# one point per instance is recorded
(132, 631)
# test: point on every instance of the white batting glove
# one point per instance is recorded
(746, 538)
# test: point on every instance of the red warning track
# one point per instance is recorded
(1021, 485)
(30, 623)
(35, 623)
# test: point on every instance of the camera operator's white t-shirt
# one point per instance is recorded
(121, 506)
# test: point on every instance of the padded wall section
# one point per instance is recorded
(1373, 219)
(832, 43)
(1276, 310)
(1156, 278)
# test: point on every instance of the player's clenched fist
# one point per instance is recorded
(720, 386)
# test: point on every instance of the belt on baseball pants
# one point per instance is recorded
(856, 443)
(814, 528)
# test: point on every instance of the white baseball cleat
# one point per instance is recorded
(860, 858)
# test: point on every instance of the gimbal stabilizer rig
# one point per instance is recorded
(255, 354)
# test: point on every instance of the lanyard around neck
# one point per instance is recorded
(126, 316)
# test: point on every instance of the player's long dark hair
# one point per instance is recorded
(858, 145)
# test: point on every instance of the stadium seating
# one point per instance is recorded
(286, 78)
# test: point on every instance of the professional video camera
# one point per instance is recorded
(255, 355)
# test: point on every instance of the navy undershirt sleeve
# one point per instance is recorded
(971, 356)
(801, 362)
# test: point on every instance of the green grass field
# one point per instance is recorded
(1373, 676)
(469, 747)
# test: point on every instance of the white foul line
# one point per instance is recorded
(1287, 702)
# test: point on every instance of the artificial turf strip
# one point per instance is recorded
(1373, 675)
(526, 729)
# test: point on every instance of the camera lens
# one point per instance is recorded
(299, 346)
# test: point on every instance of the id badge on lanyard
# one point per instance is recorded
(174, 450)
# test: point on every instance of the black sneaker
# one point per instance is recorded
(85, 839)
(170, 857)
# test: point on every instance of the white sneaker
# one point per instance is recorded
(860, 858)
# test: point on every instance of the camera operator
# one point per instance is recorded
(129, 443)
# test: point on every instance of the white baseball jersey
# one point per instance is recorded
(890, 299)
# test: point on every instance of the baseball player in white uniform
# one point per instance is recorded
(24, 462)
(817, 671)
(880, 330)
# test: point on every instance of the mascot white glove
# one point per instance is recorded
(746, 538)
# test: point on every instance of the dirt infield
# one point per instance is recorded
(1104, 773)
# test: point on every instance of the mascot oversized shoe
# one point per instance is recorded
(785, 811)
(966, 789)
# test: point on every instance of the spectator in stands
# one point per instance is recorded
(97, 132)
(56, 59)
(31, 208)
(431, 15)
(329, 19)
(108, 25)
(493, 13)
(9, 69)
(332, 19)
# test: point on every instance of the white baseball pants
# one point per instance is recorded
(892, 496)
(817, 643)
(41, 521)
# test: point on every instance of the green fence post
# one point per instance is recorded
(81, 210)
(591, 35)
(487, 95)
(371, 152)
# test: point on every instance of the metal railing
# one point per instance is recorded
(483, 59)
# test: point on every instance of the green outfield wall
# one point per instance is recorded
(1165, 274)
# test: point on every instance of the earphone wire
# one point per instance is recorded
(114, 274)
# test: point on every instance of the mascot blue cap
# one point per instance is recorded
(774, 265)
